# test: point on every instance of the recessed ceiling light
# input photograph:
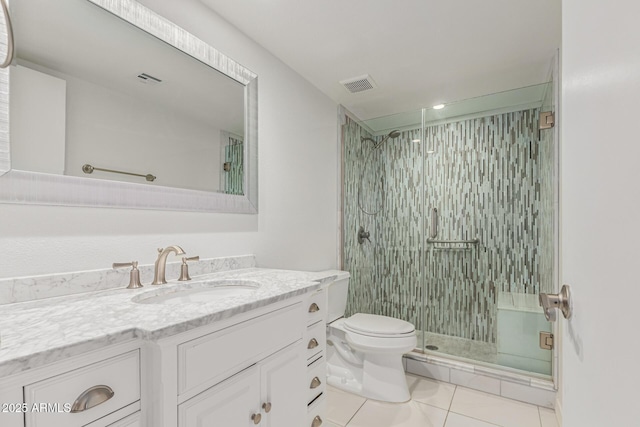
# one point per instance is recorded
(415, 140)
(438, 107)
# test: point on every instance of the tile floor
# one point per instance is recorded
(435, 404)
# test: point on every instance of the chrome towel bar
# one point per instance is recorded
(87, 168)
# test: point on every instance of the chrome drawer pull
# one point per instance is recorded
(94, 396)
(315, 382)
(267, 407)
(256, 418)
(313, 343)
(317, 421)
(314, 308)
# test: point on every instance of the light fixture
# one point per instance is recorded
(438, 107)
(415, 140)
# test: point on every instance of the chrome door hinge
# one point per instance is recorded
(547, 120)
(546, 340)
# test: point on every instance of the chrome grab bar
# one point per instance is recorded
(87, 168)
(472, 241)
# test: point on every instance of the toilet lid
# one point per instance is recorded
(372, 324)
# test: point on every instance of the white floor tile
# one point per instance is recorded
(494, 409)
(548, 417)
(341, 406)
(410, 414)
(431, 392)
(457, 420)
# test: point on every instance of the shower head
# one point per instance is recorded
(393, 134)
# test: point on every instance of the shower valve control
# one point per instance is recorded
(362, 235)
(561, 301)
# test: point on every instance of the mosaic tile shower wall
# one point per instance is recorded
(485, 180)
(234, 176)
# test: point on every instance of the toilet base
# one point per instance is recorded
(384, 378)
(378, 376)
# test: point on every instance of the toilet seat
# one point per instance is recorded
(373, 325)
(389, 335)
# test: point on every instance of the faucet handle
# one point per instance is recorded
(134, 275)
(184, 268)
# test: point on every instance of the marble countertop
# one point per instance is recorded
(37, 333)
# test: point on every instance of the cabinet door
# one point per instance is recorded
(130, 421)
(282, 382)
(230, 403)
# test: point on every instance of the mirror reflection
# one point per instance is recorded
(93, 96)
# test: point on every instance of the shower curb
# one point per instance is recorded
(512, 385)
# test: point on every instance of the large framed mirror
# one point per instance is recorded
(108, 104)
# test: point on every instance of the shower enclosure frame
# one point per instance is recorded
(554, 85)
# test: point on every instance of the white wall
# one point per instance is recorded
(296, 226)
(114, 130)
(37, 98)
(107, 129)
(601, 211)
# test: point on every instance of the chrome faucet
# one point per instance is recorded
(161, 263)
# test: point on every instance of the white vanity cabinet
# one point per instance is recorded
(263, 366)
(99, 389)
(315, 345)
(248, 370)
(134, 420)
(90, 393)
(263, 394)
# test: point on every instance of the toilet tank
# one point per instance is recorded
(337, 293)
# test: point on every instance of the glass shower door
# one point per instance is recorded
(491, 185)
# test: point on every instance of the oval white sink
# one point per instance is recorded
(200, 292)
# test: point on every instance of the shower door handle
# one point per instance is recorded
(433, 233)
(561, 301)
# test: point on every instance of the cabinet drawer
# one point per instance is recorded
(118, 377)
(315, 414)
(316, 306)
(316, 380)
(314, 339)
(210, 359)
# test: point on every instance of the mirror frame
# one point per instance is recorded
(25, 187)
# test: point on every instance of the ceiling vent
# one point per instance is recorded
(359, 84)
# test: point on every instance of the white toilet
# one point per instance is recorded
(364, 351)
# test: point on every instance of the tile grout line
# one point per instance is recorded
(474, 418)
(355, 413)
(449, 408)
(539, 416)
(455, 390)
